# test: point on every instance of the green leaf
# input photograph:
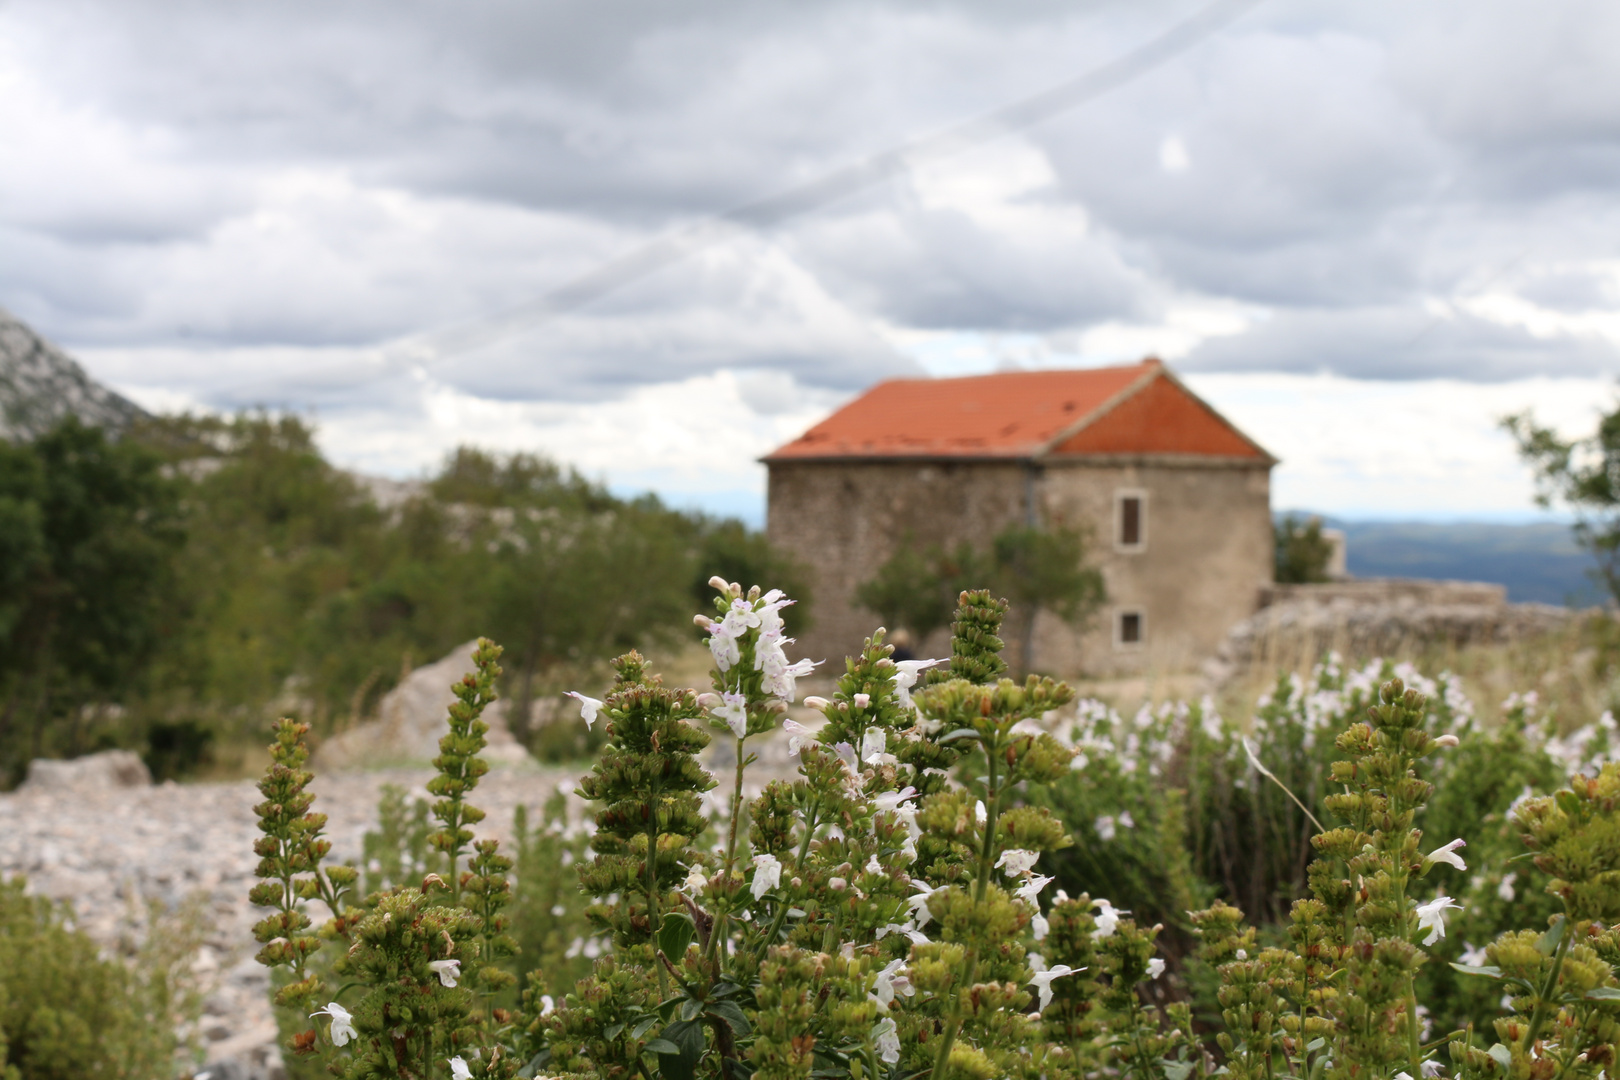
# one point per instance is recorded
(733, 1016)
(641, 1029)
(687, 1038)
(1489, 970)
(612, 1031)
(691, 1009)
(960, 733)
(661, 1046)
(675, 935)
(1604, 993)
(1547, 944)
(1501, 1055)
(1315, 1044)
(1176, 1070)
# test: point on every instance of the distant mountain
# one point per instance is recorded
(40, 385)
(1538, 562)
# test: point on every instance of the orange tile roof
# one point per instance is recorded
(1025, 414)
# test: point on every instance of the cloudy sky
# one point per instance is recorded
(1363, 228)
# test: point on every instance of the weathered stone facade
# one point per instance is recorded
(1204, 558)
(851, 491)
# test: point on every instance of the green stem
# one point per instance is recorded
(736, 809)
(1539, 1015)
(953, 1025)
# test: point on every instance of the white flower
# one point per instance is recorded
(1042, 981)
(1505, 890)
(1029, 890)
(735, 713)
(1105, 826)
(1446, 741)
(979, 813)
(1473, 957)
(1107, 918)
(1155, 968)
(905, 677)
(1432, 917)
(767, 874)
(1432, 1068)
(448, 971)
(587, 707)
(862, 700)
(873, 866)
(875, 747)
(1403, 1076)
(548, 1004)
(1242, 954)
(1039, 927)
(798, 735)
(890, 982)
(1126, 820)
(342, 1022)
(779, 674)
(696, 880)
(814, 702)
(887, 1040)
(724, 646)
(1017, 861)
(1448, 854)
(921, 891)
(740, 618)
(459, 1070)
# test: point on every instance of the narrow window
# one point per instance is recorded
(1130, 521)
(1130, 628)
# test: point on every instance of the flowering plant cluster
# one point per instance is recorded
(890, 911)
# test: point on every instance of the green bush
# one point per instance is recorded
(67, 1012)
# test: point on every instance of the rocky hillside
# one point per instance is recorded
(40, 385)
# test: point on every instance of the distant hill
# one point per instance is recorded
(1537, 562)
(40, 384)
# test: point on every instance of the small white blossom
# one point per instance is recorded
(1126, 820)
(1242, 954)
(1155, 967)
(875, 747)
(1039, 927)
(1505, 890)
(1473, 957)
(342, 1022)
(905, 677)
(1043, 981)
(767, 874)
(1403, 1076)
(696, 880)
(735, 713)
(1105, 826)
(918, 900)
(862, 700)
(1432, 1068)
(548, 1004)
(587, 707)
(1015, 861)
(458, 1068)
(1107, 918)
(1432, 917)
(873, 866)
(798, 735)
(1448, 854)
(1030, 889)
(887, 1040)
(979, 813)
(448, 971)
(814, 702)
(890, 982)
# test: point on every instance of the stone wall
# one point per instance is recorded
(1207, 549)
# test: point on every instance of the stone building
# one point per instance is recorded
(1176, 500)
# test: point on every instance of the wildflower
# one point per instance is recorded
(735, 713)
(1432, 1068)
(1017, 861)
(1448, 854)
(587, 707)
(862, 700)
(905, 677)
(1505, 890)
(1039, 927)
(1155, 967)
(1105, 826)
(1126, 820)
(1107, 918)
(875, 747)
(548, 1004)
(342, 1022)
(798, 734)
(448, 971)
(1029, 890)
(846, 754)
(779, 674)
(1042, 982)
(979, 813)
(921, 891)
(890, 982)
(1432, 917)
(767, 874)
(887, 1040)
(873, 866)
(696, 880)
(1473, 957)
(814, 702)
(1447, 741)
(459, 1070)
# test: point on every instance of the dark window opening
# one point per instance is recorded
(1130, 628)
(1130, 521)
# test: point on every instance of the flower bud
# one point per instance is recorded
(814, 702)
(702, 622)
(837, 884)
(720, 584)
(709, 699)
(1446, 741)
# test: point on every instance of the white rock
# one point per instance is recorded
(94, 772)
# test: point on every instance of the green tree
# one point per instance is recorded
(93, 527)
(1583, 474)
(1303, 553)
